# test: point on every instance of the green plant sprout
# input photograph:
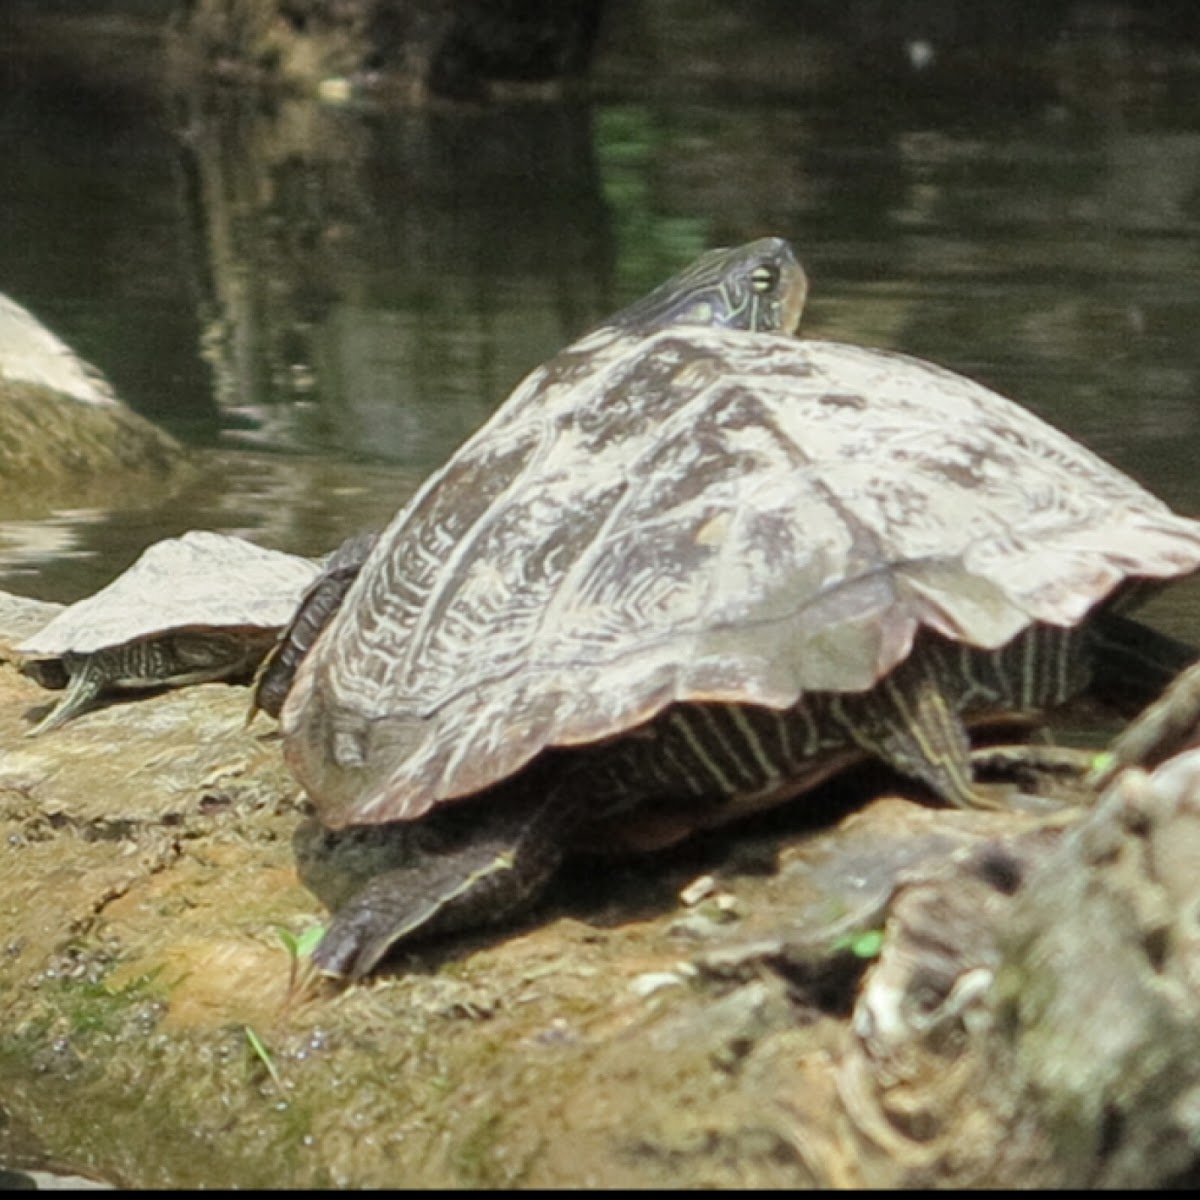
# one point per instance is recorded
(299, 948)
(264, 1056)
(866, 943)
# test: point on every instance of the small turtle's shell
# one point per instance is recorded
(197, 581)
(699, 515)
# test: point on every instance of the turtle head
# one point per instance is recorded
(759, 286)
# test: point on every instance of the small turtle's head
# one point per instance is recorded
(759, 286)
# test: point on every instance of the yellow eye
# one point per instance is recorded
(764, 277)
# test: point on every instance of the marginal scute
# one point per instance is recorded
(958, 605)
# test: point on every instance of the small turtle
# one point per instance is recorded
(200, 607)
(692, 566)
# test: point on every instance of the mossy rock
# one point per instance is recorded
(57, 450)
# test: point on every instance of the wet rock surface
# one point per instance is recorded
(892, 995)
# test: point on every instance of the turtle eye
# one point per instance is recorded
(764, 277)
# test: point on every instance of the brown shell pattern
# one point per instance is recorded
(692, 515)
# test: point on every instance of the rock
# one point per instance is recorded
(81, 453)
(65, 438)
(30, 353)
(1028, 1016)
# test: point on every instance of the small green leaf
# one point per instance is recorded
(867, 943)
(263, 1055)
(308, 941)
(300, 945)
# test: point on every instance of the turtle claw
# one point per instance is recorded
(353, 944)
(444, 894)
(483, 880)
(52, 720)
(393, 906)
(81, 692)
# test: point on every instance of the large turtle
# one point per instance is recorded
(200, 607)
(688, 569)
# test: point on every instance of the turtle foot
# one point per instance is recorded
(1035, 778)
(488, 877)
(80, 696)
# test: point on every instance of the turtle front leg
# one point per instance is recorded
(87, 678)
(501, 865)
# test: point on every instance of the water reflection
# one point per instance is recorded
(304, 505)
(379, 283)
(304, 289)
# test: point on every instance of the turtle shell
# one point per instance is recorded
(699, 514)
(198, 581)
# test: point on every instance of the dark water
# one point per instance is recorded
(324, 300)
